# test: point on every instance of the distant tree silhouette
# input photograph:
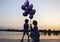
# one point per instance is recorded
(45, 32)
(49, 32)
(55, 32)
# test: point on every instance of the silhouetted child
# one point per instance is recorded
(34, 32)
(26, 26)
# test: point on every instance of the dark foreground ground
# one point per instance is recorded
(42, 40)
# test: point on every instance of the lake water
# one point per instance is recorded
(18, 35)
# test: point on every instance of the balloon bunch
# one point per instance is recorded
(28, 9)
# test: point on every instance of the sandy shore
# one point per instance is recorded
(42, 40)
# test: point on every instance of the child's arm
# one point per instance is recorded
(31, 26)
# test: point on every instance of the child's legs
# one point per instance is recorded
(23, 35)
(28, 34)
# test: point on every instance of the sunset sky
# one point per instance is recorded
(47, 13)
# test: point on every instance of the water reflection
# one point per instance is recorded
(17, 34)
(45, 32)
(49, 32)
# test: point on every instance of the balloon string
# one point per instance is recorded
(30, 21)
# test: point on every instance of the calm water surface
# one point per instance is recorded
(18, 35)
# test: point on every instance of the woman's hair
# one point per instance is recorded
(26, 20)
(34, 22)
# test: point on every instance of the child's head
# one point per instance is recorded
(26, 20)
(34, 22)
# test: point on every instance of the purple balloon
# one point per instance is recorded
(31, 16)
(26, 11)
(23, 7)
(24, 14)
(30, 7)
(26, 3)
(32, 12)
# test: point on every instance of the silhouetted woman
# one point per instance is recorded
(34, 32)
